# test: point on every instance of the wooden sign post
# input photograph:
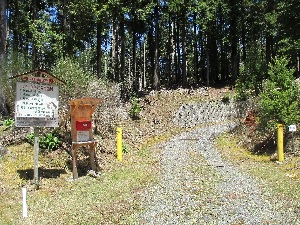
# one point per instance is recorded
(81, 111)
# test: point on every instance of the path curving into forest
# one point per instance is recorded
(197, 186)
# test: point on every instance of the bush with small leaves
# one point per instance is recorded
(49, 141)
(278, 102)
(8, 123)
(135, 109)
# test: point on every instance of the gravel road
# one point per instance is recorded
(197, 186)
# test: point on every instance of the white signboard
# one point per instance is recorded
(83, 136)
(292, 128)
(36, 105)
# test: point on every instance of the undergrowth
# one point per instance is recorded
(282, 178)
(60, 200)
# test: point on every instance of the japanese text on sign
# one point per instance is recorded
(36, 101)
(44, 80)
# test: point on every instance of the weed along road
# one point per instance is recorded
(198, 186)
(189, 169)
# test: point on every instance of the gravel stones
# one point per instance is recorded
(208, 190)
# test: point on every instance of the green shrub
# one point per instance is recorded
(278, 102)
(49, 141)
(135, 109)
(226, 98)
(8, 123)
(125, 149)
(14, 64)
(76, 79)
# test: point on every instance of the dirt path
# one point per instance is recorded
(197, 186)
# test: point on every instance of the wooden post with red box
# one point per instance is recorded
(81, 129)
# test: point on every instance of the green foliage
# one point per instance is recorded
(76, 79)
(125, 149)
(289, 42)
(135, 109)
(226, 98)
(49, 141)
(278, 101)
(8, 123)
(44, 33)
(30, 138)
(16, 63)
(251, 75)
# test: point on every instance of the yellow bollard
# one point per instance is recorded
(280, 142)
(119, 143)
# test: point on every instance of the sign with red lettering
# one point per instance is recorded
(44, 80)
(36, 105)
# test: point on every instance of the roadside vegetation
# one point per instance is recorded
(252, 146)
(143, 60)
(113, 195)
(281, 180)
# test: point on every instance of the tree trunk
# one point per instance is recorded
(268, 49)
(35, 63)
(173, 54)
(156, 79)
(196, 77)
(113, 50)
(178, 55)
(14, 25)
(243, 24)
(269, 36)
(208, 69)
(3, 109)
(99, 48)
(144, 66)
(135, 74)
(234, 41)
(140, 66)
(64, 24)
(2, 30)
(151, 52)
(184, 62)
(214, 63)
(202, 50)
(223, 64)
(122, 57)
(71, 36)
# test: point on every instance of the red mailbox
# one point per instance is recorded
(81, 118)
(81, 111)
(83, 125)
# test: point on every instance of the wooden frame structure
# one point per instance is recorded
(81, 111)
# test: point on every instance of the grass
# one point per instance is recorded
(114, 197)
(111, 198)
(282, 179)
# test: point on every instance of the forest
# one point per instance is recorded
(153, 44)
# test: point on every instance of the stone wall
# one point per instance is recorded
(194, 114)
